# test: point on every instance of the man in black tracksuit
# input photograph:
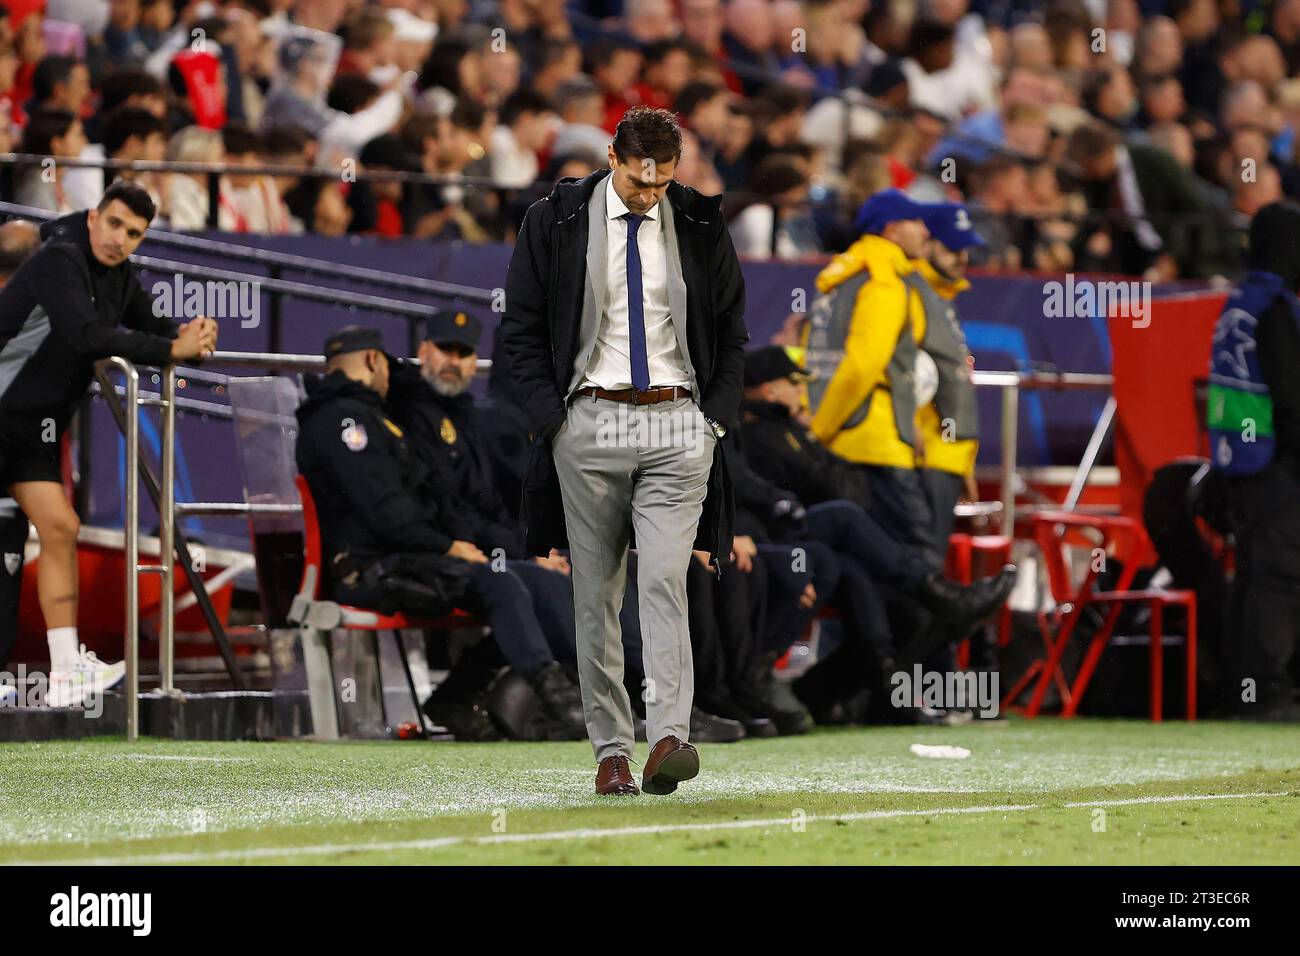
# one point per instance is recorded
(433, 404)
(1265, 599)
(391, 541)
(74, 301)
(18, 240)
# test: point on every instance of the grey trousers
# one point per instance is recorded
(623, 467)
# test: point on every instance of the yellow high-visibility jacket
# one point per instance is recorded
(957, 457)
(883, 310)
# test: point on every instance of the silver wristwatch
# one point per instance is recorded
(719, 429)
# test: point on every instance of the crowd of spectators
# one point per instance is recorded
(1136, 136)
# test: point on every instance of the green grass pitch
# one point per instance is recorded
(1045, 791)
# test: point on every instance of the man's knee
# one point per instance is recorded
(57, 527)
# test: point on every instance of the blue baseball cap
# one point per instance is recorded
(951, 224)
(886, 206)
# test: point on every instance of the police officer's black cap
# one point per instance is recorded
(453, 326)
(769, 363)
(353, 338)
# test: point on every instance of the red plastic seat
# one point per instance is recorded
(356, 618)
(1128, 542)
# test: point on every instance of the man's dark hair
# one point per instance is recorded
(602, 52)
(553, 50)
(125, 122)
(522, 101)
(694, 95)
(647, 133)
(989, 171)
(774, 176)
(657, 51)
(283, 140)
(468, 114)
(49, 73)
(926, 33)
(43, 127)
(351, 92)
(442, 67)
(1090, 141)
(239, 140)
(132, 195)
(119, 86)
(779, 100)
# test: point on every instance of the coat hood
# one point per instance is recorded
(1275, 242)
(873, 253)
(69, 228)
(322, 389)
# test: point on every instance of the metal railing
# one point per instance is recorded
(1011, 384)
(172, 540)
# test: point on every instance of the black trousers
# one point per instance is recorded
(501, 596)
(901, 506)
(790, 569)
(1265, 598)
(726, 617)
(942, 491)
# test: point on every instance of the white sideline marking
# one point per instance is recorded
(327, 849)
(183, 757)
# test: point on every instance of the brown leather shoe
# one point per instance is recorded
(670, 762)
(614, 779)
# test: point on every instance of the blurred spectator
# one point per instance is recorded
(996, 191)
(250, 202)
(776, 222)
(949, 80)
(186, 202)
(518, 138)
(60, 83)
(49, 133)
(1158, 222)
(615, 65)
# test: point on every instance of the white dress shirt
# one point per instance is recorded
(610, 366)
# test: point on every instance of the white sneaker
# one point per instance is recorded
(89, 677)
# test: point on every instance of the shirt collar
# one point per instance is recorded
(615, 208)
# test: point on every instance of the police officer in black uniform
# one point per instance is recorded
(392, 542)
(433, 404)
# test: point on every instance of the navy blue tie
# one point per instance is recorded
(636, 308)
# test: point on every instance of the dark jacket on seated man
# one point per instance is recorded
(374, 497)
(780, 449)
(446, 433)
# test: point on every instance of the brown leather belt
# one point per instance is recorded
(651, 396)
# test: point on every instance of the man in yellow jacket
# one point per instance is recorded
(949, 422)
(862, 341)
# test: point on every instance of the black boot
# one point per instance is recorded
(755, 724)
(561, 700)
(708, 729)
(966, 602)
(759, 694)
(466, 720)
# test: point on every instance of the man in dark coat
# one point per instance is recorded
(391, 542)
(624, 308)
(432, 402)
